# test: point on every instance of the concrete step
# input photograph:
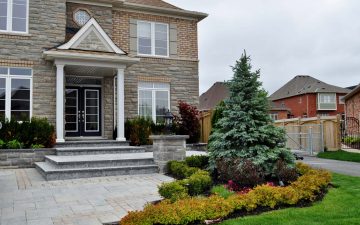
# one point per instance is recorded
(104, 160)
(91, 143)
(97, 150)
(50, 172)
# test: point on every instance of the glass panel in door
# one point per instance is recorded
(92, 119)
(71, 110)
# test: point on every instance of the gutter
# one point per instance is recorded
(173, 12)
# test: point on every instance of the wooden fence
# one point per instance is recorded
(330, 130)
(328, 127)
(205, 123)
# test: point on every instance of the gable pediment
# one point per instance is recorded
(92, 37)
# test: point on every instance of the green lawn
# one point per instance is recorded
(340, 155)
(341, 206)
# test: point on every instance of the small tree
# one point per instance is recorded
(188, 122)
(246, 131)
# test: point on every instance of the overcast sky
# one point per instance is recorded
(284, 38)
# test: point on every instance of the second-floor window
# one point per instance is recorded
(327, 101)
(14, 16)
(153, 39)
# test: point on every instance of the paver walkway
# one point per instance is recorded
(27, 199)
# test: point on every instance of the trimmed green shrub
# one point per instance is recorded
(180, 170)
(2, 144)
(37, 146)
(38, 131)
(138, 130)
(197, 210)
(198, 183)
(352, 140)
(198, 161)
(222, 191)
(14, 144)
(173, 191)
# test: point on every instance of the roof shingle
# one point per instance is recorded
(155, 3)
(305, 84)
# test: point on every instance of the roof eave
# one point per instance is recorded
(52, 55)
(174, 12)
(352, 93)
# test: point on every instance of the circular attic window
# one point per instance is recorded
(81, 17)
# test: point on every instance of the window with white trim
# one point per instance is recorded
(154, 100)
(327, 101)
(15, 93)
(81, 17)
(274, 116)
(14, 16)
(153, 38)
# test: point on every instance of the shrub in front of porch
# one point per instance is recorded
(36, 132)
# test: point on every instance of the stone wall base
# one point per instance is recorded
(23, 158)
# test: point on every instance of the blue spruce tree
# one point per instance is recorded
(245, 130)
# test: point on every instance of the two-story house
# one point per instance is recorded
(305, 96)
(87, 65)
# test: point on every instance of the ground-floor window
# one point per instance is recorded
(274, 116)
(15, 93)
(154, 100)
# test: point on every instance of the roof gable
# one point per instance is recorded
(300, 85)
(92, 37)
(155, 3)
(212, 97)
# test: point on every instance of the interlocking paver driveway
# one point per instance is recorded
(27, 199)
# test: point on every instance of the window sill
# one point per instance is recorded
(15, 34)
(153, 56)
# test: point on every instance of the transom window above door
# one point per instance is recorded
(154, 100)
(153, 39)
(14, 16)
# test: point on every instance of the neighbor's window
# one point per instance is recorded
(274, 116)
(154, 100)
(153, 39)
(14, 16)
(81, 17)
(342, 100)
(15, 93)
(327, 101)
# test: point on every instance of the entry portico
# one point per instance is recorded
(90, 53)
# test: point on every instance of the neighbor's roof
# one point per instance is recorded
(156, 3)
(212, 97)
(305, 84)
(353, 92)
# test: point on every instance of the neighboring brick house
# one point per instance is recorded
(305, 96)
(89, 65)
(352, 103)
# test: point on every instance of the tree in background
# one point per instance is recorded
(245, 130)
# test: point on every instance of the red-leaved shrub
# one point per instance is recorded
(188, 122)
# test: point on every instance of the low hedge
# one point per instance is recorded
(180, 170)
(192, 210)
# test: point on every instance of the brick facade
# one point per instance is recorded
(306, 106)
(51, 24)
(353, 106)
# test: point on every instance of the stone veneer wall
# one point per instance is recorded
(108, 106)
(103, 16)
(47, 19)
(23, 158)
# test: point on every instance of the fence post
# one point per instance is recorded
(310, 141)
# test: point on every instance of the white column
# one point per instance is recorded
(120, 105)
(60, 103)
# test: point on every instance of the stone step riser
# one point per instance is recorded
(105, 164)
(97, 152)
(72, 145)
(99, 173)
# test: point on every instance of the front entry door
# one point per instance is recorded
(82, 111)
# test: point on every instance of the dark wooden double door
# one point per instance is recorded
(82, 111)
